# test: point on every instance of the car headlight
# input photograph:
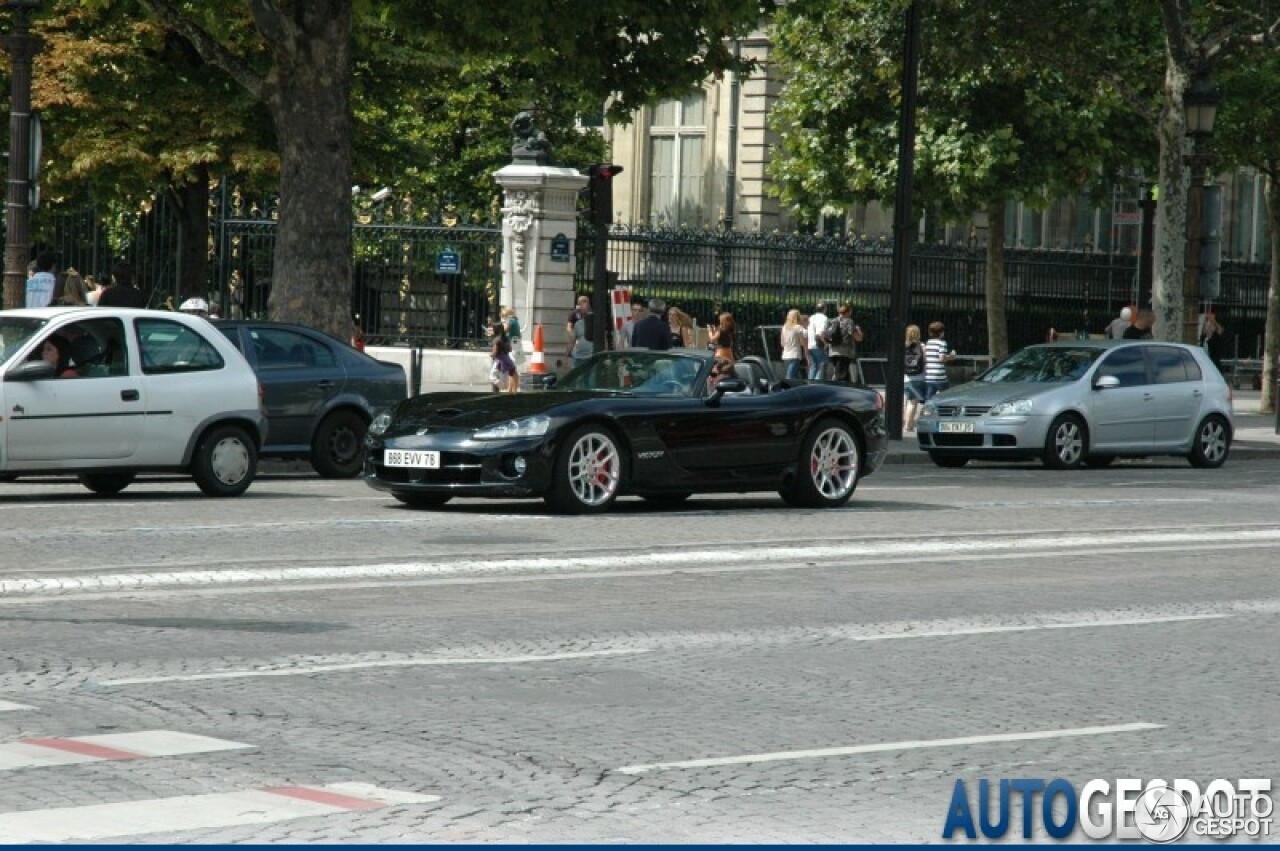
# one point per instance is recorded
(380, 424)
(929, 410)
(523, 427)
(1013, 407)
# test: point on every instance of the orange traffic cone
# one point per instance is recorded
(537, 363)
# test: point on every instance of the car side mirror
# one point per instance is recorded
(32, 370)
(1106, 382)
(729, 384)
(549, 381)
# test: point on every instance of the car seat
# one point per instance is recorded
(86, 355)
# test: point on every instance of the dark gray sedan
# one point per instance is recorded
(1085, 402)
(319, 393)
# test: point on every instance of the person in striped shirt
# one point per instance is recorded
(936, 357)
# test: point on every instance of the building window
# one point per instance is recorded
(677, 147)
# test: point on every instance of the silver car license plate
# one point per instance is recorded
(955, 427)
(411, 458)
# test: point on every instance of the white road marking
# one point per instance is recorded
(195, 812)
(853, 633)
(6, 706)
(822, 753)
(852, 552)
(418, 662)
(36, 753)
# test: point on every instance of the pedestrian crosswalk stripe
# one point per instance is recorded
(6, 706)
(196, 812)
(37, 753)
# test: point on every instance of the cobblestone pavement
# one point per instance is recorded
(731, 671)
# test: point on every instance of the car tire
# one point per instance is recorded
(1211, 444)
(828, 467)
(226, 461)
(1099, 461)
(951, 462)
(1066, 443)
(588, 472)
(107, 484)
(421, 500)
(337, 450)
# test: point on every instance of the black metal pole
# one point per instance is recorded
(903, 230)
(22, 48)
(1146, 256)
(602, 215)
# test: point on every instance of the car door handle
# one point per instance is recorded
(1147, 397)
(129, 395)
(324, 385)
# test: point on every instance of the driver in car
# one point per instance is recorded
(720, 368)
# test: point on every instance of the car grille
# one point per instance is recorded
(962, 410)
(456, 468)
(966, 440)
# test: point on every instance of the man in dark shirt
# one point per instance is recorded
(1141, 327)
(122, 292)
(653, 332)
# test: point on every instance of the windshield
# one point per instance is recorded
(1043, 365)
(15, 331)
(637, 374)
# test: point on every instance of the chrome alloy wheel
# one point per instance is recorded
(1068, 442)
(594, 469)
(1213, 441)
(833, 463)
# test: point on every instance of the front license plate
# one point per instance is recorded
(411, 458)
(954, 427)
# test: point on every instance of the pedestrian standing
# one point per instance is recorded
(936, 358)
(681, 328)
(40, 285)
(816, 333)
(653, 331)
(794, 342)
(1141, 327)
(913, 367)
(122, 292)
(505, 368)
(1117, 326)
(511, 323)
(724, 338)
(581, 333)
(74, 292)
(842, 337)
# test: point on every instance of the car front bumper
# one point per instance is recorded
(468, 467)
(994, 437)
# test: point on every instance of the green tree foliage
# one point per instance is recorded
(425, 79)
(129, 110)
(993, 125)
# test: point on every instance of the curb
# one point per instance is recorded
(1244, 451)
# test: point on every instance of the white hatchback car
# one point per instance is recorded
(107, 393)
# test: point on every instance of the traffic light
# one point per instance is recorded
(601, 189)
(1211, 244)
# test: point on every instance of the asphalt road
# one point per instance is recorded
(314, 663)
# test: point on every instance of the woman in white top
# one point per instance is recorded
(795, 349)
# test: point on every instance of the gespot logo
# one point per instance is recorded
(1127, 808)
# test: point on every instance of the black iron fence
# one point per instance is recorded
(435, 281)
(759, 277)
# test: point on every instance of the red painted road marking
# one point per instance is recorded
(82, 748)
(321, 796)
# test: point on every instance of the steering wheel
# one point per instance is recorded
(673, 386)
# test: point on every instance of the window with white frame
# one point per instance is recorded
(677, 170)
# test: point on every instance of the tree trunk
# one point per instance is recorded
(1271, 340)
(997, 326)
(309, 96)
(192, 210)
(1168, 288)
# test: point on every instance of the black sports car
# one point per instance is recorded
(660, 425)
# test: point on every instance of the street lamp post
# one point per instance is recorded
(22, 48)
(1201, 106)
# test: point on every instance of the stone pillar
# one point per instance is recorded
(539, 244)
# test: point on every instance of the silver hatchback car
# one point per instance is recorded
(1085, 402)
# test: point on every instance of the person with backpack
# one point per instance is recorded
(842, 338)
(913, 377)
